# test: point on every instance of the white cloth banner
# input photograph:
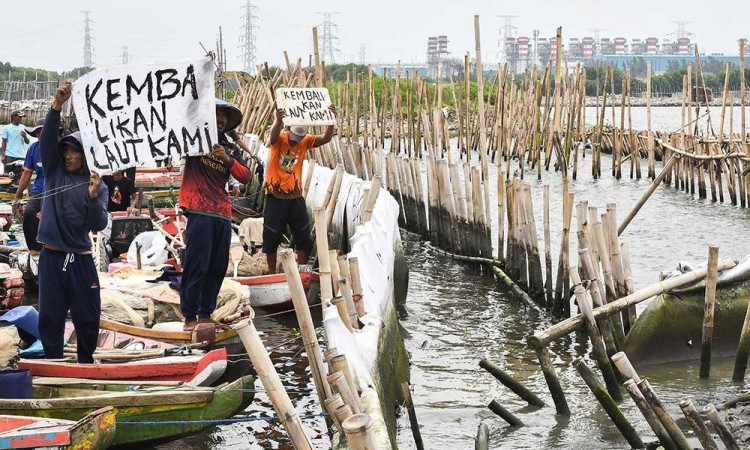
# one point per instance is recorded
(137, 115)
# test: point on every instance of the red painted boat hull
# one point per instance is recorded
(272, 291)
(172, 368)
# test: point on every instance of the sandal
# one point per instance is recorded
(218, 325)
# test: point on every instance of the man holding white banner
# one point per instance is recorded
(75, 203)
(205, 201)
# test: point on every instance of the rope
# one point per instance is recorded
(219, 421)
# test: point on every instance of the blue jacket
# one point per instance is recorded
(68, 213)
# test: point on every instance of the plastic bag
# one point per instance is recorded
(153, 249)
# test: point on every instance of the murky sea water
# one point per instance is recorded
(454, 316)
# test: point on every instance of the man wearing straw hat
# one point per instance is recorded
(14, 139)
(284, 202)
(206, 203)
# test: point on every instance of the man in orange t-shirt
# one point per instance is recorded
(284, 202)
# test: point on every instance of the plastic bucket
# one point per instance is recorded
(15, 384)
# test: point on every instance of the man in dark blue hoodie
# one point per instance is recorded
(75, 202)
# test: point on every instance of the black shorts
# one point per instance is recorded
(282, 212)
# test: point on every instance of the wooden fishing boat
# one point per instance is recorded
(200, 334)
(145, 414)
(198, 369)
(272, 291)
(158, 178)
(93, 432)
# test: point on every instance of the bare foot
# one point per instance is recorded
(189, 325)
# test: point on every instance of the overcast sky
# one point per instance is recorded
(49, 34)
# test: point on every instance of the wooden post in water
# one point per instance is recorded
(708, 312)
(653, 421)
(696, 423)
(649, 134)
(721, 428)
(547, 250)
(483, 437)
(324, 263)
(743, 348)
(406, 392)
(664, 172)
(562, 291)
(609, 405)
(510, 383)
(661, 412)
(506, 415)
(553, 383)
(304, 318)
(272, 384)
(629, 288)
(597, 343)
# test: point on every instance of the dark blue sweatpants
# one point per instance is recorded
(205, 264)
(68, 281)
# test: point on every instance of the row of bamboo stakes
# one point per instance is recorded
(405, 144)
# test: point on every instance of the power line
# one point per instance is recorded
(88, 49)
(328, 48)
(247, 38)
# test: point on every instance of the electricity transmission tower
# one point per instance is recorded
(125, 56)
(88, 49)
(329, 38)
(681, 32)
(247, 38)
(363, 54)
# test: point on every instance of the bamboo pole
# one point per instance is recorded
(506, 415)
(340, 304)
(406, 392)
(339, 364)
(597, 342)
(511, 383)
(359, 434)
(339, 386)
(272, 384)
(553, 382)
(661, 412)
(743, 348)
(359, 305)
(333, 403)
(304, 318)
(567, 326)
(547, 250)
(708, 312)
(646, 195)
(483, 437)
(649, 134)
(609, 405)
(696, 423)
(653, 421)
(346, 290)
(324, 263)
(587, 270)
(721, 428)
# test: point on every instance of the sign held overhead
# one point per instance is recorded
(305, 106)
(140, 114)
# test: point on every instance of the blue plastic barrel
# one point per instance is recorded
(15, 384)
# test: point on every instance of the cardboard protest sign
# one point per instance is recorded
(137, 115)
(305, 106)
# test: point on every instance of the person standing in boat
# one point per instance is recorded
(75, 203)
(121, 191)
(32, 165)
(14, 138)
(205, 201)
(284, 202)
